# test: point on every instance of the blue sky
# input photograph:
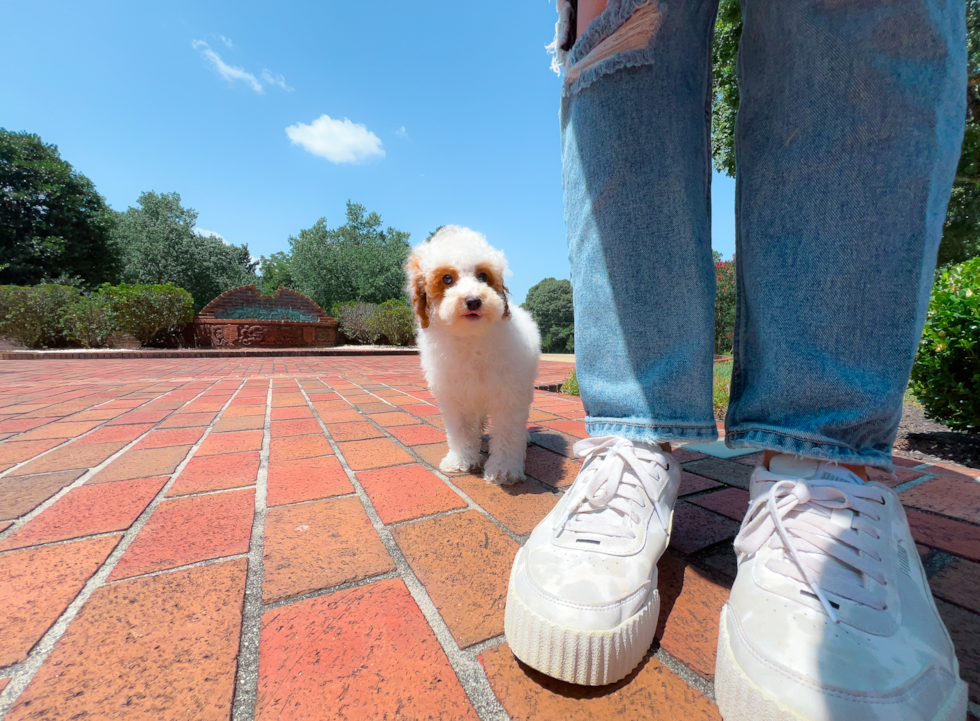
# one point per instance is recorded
(452, 114)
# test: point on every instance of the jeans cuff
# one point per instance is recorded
(784, 442)
(650, 432)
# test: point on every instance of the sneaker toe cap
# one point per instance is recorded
(579, 594)
(835, 678)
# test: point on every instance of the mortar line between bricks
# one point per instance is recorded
(103, 424)
(43, 648)
(902, 487)
(459, 491)
(331, 589)
(477, 648)
(247, 671)
(469, 673)
(185, 567)
(699, 684)
(81, 480)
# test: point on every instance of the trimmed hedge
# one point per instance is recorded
(391, 322)
(146, 311)
(34, 315)
(946, 373)
(55, 315)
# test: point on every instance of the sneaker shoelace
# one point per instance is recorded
(826, 555)
(607, 493)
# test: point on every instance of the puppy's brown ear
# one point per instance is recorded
(416, 290)
(504, 293)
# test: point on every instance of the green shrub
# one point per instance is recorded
(147, 311)
(724, 306)
(395, 321)
(355, 321)
(946, 373)
(34, 314)
(90, 321)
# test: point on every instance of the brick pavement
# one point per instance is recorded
(259, 538)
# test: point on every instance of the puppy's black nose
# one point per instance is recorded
(473, 303)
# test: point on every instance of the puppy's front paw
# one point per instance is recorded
(501, 474)
(453, 463)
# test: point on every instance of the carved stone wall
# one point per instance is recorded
(244, 318)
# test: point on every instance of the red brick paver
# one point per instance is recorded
(171, 642)
(187, 530)
(318, 545)
(364, 653)
(87, 511)
(36, 585)
(373, 576)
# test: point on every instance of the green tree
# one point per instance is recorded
(961, 232)
(359, 261)
(550, 304)
(277, 270)
(159, 245)
(53, 223)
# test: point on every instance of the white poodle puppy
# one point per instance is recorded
(480, 356)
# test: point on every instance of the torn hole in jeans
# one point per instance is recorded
(626, 46)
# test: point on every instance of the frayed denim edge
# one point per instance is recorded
(648, 432)
(632, 59)
(773, 441)
(609, 21)
(606, 23)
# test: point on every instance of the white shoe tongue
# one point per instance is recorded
(811, 469)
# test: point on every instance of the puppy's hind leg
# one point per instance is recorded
(508, 446)
(463, 432)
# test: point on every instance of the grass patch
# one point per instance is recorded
(570, 386)
(721, 387)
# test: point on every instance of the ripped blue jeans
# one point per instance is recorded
(847, 140)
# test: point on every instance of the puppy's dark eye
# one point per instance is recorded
(448, 279)
(482, 277)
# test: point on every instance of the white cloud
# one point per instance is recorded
(339, 141)
(276, 79)
(206, 233)
(401, 132)
(228, 72)
(227, 41)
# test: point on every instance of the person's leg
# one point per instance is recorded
(583, 601)
(847, 140)
(636, 179)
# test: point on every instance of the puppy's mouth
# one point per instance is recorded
(472, 314)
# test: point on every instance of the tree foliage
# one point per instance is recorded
(961, 232)
(277, 270)
(159, 245)
(724, 305)
(53, 223)
(359, 261)
(550, 304)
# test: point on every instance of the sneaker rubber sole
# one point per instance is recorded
(588, 658)
(741, 699)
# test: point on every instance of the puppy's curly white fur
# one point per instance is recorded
(479, 354)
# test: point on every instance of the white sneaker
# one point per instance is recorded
(582, 604)
(831, 617)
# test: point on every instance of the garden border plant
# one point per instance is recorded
(50, 315)
(946, 373)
